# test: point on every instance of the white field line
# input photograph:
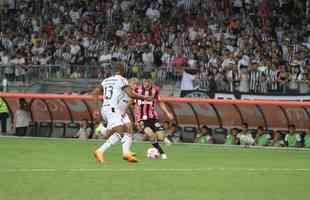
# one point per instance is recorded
(210, 169)
(217, 146)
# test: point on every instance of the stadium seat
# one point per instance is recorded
(71, 130)
(219, 135)
(59, 129)
(32, 130)
(189, 134)
(270, 132)
(45, 129)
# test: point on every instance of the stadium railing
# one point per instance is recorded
(185, 112)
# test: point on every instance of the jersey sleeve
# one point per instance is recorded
(123, 83)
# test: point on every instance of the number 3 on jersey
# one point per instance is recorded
(108, 92)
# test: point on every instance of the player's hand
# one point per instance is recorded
(149, 98)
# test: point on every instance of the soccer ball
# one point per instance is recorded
(152, 153)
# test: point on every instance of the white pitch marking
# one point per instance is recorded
(156, 170)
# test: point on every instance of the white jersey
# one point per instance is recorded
(123, 103)
(113, 90)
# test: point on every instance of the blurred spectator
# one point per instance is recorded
(244, 80)
(205, 136)
(85, 130)
(188, 81)
(262, 138)
(276, 140)
(5, 85)
(245, 137)
(22, 118)
(292, 139)
(4, 115)
(307, 139)
(304, 82)
(231, 138)
(172, 132)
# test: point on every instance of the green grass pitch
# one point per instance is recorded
(42, 169)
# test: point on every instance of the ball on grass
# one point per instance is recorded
(152, 153)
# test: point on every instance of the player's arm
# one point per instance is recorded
(134, 95)
(165, 110)
(130, 105)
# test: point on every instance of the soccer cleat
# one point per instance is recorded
(163, 156)
(130, 158)
(99, 156)
(167, 142)
(131, 153)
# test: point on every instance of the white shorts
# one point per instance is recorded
(115, 118)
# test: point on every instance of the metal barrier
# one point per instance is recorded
(162, 76)
(276, 114)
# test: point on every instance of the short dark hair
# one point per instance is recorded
(291, 126)
(119, 69)
(245, 124)
(260, 127)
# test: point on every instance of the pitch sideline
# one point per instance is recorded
(217, 146)
(214, 169)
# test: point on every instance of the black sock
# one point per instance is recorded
(157, 146)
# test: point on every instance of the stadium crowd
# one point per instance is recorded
(254, 46)
(256, 137)
(235, 136)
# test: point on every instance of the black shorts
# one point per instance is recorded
(153, 124)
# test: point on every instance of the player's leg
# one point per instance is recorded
(153, 139)
(112, 140)
(127, 141)
(162, 136)
(116, 128)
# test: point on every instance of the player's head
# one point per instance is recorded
(291, 128)
(133, 82)
(245, 126)
(119, 69)
(147, 81)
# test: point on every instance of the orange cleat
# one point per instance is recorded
(130, 158)
(99, 156)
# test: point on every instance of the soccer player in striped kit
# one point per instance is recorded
(146, 116)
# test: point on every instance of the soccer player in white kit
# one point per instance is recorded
(113, 90)
(124, 103)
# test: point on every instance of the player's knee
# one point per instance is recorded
(151, 136)
(160, 135)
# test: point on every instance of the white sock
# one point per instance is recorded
(167, 141)
(127, 141)
(113, 139)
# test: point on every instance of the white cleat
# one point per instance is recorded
(163, 156)
(167, 142)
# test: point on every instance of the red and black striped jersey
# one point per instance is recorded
(146, 109)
